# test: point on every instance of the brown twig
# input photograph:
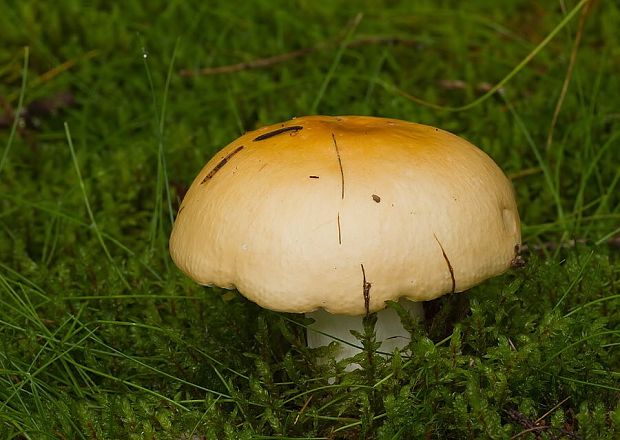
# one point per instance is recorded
(541, 418)
(531, 426)
(303, 408)
(281, 58)
(526, 423)
(458, 84)
(366, 291)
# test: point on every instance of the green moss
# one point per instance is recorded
(101, 336)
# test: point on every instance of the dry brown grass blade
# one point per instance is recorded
(52, 73)
(281, 58)
(569, 71)
(55, 71)
(541, 418)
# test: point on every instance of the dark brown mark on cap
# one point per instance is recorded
(339, 231)
(221, 163)
(313, 177)
(450, 268)
(262, 137)
(376, 198)
(340, 165)
(366, 290)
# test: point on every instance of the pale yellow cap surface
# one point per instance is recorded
(297, 215)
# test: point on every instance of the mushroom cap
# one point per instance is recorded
(345, 213)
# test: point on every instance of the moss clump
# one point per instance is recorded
(101, 337)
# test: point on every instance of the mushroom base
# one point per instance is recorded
(388, 328)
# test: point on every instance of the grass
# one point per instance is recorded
(101, 336)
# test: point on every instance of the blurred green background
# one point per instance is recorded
(101, 336)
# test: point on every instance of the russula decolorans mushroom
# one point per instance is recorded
(334, 216)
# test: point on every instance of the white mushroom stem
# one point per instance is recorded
(389, 330)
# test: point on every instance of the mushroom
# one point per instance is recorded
(333, 216)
